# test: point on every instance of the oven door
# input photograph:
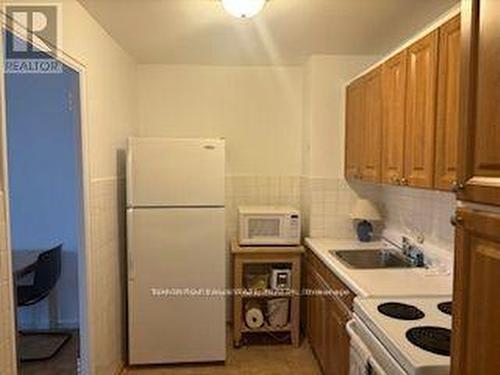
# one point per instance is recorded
(366, 360)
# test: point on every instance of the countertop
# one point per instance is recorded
(380, 282)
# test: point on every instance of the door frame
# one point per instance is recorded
(85, 286)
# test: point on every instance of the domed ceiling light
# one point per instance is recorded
(243, 8)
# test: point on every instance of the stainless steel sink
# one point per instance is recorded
(371, 259)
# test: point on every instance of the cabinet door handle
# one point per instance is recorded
(457, 186)
(340, 302)
(456, 220)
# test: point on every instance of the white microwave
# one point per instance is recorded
(268, 225)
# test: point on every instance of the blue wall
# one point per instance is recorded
(43, 133)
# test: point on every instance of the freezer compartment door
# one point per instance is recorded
(175, 172)
(176, 249)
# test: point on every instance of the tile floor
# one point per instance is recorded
(248, 360)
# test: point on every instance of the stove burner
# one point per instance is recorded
(401, 311)
(433, 339)
(445, 307)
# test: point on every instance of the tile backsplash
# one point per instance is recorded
(413, 212)
(258, 191)
(327, 202)
(418, 212)
(107, 204)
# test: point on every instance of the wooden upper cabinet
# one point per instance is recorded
(393, 128)
(402, 121)
(421, 111)
(448, 106)
(479, 147)
(354, 122)
(476, 304)
(371, 152)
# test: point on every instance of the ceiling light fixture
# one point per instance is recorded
(243, 8)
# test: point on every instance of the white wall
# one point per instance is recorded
(324, 112)
(257, 109)
(280, 123)
(111, 118)
(111, 87)
(326, 199)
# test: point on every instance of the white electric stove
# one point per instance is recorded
(402, 336)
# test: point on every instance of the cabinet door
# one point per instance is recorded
(448, 103)
(316, 317)
(354, 123)
(421, 112)
(371, 147)
(337, 342)
(479, 148)
(476, 310)
(393, 128)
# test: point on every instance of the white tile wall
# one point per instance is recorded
(416, 212)
(327, 202)
(7, 355)
(108, 264)
(258, 190)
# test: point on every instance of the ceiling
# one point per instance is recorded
(285, 33)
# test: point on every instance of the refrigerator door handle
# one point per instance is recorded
(130, 257)
(128, 173)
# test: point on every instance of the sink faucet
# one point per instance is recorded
(413, 253)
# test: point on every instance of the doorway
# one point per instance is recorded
(46, 214)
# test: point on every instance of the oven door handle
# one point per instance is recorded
(350, 328)
(372, 367)
(362, 354)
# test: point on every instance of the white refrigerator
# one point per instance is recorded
(176, 243)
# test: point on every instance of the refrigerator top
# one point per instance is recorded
(175, 172)
(164, 140)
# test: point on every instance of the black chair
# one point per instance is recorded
(40, 345)
(47, 271)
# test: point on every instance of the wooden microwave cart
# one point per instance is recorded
(245, 255)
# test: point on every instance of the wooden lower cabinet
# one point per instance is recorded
(316, 314)
(476, 304)
(336, 341)
(326, 318)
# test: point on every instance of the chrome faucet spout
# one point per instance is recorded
(413, 253)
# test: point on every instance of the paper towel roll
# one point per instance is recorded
(254, 317)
